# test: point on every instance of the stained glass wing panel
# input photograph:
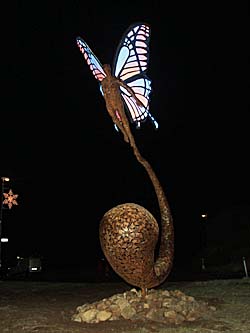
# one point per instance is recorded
(130, 65)
(91, 59)
(138, 113)
(132, 54)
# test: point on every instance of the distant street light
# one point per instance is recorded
(4, 240)
(6, 199)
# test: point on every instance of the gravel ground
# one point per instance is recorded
(48, 307)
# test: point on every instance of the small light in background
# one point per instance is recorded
(5, 179)
(4, 240)
(10, 199)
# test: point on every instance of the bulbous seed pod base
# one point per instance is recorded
(128, 236)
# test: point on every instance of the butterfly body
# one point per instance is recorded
(114, 104)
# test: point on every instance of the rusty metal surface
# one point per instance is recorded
(128, 236)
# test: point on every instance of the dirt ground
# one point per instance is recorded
(47, 307)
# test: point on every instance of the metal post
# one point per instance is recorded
(245, 267)
(3, 179)
(1, 216)
(203, 236)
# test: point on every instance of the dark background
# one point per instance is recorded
(58, 143)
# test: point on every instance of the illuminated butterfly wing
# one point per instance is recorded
(130, 65)
(92, 60)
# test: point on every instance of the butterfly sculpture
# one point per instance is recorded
(129, 232)
(126, 83)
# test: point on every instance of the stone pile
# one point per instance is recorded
(172, 307)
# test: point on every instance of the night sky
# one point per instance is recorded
(58, 143)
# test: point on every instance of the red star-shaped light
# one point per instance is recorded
(10, 199)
